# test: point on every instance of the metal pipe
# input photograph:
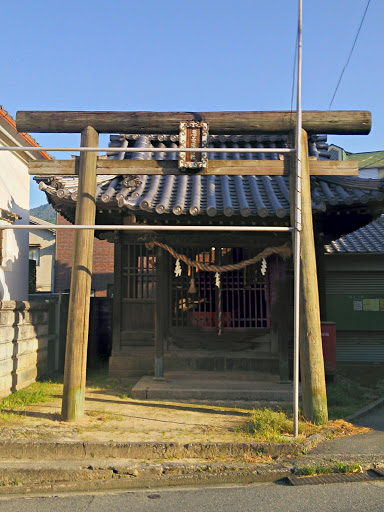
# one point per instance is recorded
(297, 239)
(146, 227)
(149, 150)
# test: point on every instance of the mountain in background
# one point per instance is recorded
(44, 212)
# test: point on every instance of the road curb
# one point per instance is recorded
(21, 479)
(366, 410)
(42, 450)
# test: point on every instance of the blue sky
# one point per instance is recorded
(200, 55)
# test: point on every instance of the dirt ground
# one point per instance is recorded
(110, 416)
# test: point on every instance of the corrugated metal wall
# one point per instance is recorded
(360, 346)
(355, 283)
(353, 346)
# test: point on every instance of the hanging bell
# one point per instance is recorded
(192, 288)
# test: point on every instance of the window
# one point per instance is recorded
(139, 274)
(34, 254)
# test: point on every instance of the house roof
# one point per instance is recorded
(20, 139)
(214, 196)
(368, 239)
(40, 222)
(367, 159)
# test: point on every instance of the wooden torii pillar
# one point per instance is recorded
(80, 291)
(314, 394)
(89, 124)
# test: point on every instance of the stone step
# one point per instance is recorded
(188, 387)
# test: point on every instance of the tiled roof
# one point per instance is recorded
(368, 239)
(40, 222)
(24, 137)
(214, 196)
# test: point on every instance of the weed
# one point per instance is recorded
(38, 392)
(341, 467)
(203, 469)
(304, 451)
(346, 396)
(272, 426)
(323, 470)
(306, 471)
(311, 470)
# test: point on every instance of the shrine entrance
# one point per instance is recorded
(244, 301)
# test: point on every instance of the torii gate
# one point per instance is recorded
(90, 124)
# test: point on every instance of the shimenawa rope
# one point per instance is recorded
(284, 251)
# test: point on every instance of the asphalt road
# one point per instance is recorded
(252, 498)
(373, 420)
(371, 443)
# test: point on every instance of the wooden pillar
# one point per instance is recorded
(117, 295)
(281, 314)
(311, 353)
(161, 309)
(79, 299)
(272, 280)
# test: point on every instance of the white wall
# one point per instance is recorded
(372, 173)
(14, 196)
(46, 240)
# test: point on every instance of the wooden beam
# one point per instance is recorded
(79, 299)
(215, 167)
(342, 122)
(311, 352)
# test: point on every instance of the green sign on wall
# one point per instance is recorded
(356, 312)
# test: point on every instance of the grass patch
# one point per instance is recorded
(311, 470)
(347, 396)
(36, 393)
(340, 467)
(273, 426)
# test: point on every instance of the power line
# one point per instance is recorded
(294, 76)
(350, 54)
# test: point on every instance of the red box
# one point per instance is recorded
(328, 338)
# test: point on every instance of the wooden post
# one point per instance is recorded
(273, 283)
(79, 299)
(281, 313)
(117, 296)
(311, 353)
(161, 310)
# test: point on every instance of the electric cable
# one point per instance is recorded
(350, 54)
(294, 78)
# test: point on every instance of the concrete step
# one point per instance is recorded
(199, 387)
